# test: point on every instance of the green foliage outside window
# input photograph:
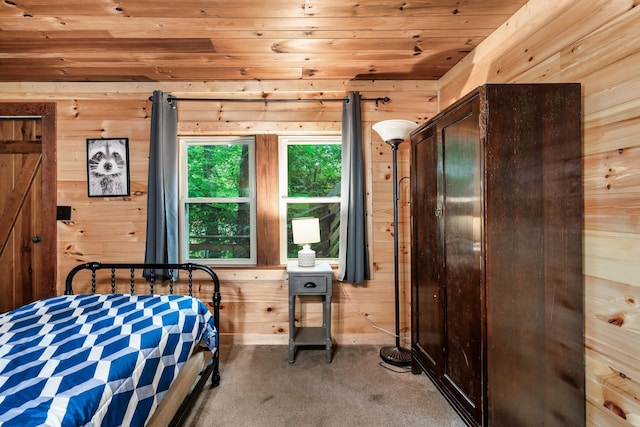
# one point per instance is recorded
(220, 230)
(218, 204)
(314, 171)
(218, 170)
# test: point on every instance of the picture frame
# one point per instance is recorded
(108, 167)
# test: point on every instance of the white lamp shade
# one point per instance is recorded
(394, 129)
(305, 230)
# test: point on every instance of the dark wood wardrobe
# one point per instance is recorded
(496, 256)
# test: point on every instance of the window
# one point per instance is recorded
(310, 176)
(217, 200)
(227, 217)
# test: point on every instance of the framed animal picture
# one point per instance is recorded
(108, 167)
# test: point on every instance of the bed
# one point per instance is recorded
(111, 356)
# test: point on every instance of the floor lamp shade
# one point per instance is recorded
(394, 132)
(390, 130)
(305, 232)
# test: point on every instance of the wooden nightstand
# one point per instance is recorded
(303, 281)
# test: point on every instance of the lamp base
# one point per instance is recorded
(306, 257)
(397, 356)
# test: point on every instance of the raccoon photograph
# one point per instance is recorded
(108, 167)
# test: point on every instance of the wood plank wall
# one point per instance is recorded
(254, 303)
(590, 41)
(594, 42)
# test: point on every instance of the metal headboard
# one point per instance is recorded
(150, 276)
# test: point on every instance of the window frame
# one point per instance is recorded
(183, 143)
(283, 143)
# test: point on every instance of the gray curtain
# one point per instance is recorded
(162, 199)
(354, 252)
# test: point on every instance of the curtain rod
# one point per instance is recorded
(267, 100)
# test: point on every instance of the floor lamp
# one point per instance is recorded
(394, 132)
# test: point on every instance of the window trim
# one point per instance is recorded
(183, 143)
(283, 142)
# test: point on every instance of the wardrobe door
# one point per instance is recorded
(462, 206)
(427, 302)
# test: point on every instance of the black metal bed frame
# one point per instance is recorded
(151, 276)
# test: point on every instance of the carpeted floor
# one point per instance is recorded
(260, 388)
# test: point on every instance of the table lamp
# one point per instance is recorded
(305, 232)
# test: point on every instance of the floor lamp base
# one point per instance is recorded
(396, 356)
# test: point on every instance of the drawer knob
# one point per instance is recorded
(309, 285)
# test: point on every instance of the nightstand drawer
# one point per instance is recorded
(309, 284)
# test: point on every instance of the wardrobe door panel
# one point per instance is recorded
(427, 323)
(462, 270)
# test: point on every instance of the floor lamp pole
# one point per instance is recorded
(397, 355)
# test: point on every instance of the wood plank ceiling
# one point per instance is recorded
(195, 40)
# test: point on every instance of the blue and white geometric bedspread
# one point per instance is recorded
(95, 359)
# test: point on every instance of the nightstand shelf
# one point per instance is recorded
(310, 335)
(310, 281)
